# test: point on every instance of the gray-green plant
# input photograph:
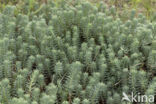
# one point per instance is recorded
(75, 54)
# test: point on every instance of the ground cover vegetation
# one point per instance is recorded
(74, 52)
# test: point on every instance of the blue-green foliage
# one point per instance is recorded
(75, 54)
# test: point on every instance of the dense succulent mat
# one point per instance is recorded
(75, 54)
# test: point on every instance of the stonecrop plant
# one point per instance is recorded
(75, 54)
